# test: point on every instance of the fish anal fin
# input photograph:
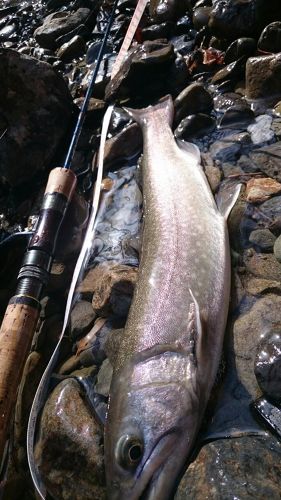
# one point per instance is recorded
(227, 197)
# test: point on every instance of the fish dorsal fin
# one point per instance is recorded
(191, 149)
(227, 197)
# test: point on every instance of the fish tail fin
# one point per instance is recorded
(227, 197)
(164, 107)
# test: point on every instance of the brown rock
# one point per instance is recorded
(261, 286)
(214, 177)
(264, 266)
(259, 190)
(69, 451)
(263, 76)
(124, 145)
(193, 99)
(113, 285)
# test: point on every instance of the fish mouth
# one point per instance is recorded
(154, 481)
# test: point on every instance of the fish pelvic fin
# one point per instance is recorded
(163, 107)
(196, 330)
(227, 197)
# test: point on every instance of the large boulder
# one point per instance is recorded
(35, 112)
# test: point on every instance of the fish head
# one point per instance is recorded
(153, 419)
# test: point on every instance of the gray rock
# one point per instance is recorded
(267, 159)
(104, 378)
(82, 318)
(263, 76)
(36, 108)
(58, 24)
(193, 99)
(247, 467)
(277, 249)
(271, 208)
(69, 451)
(163, 10)
(270, 39)
(262, 239)
(201, 16)
(240, 47)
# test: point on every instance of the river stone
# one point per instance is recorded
(82, 318)
(260, 130)
(69, 451)
(113, 286)
(144, 71)
(263, 266)
(262, 239)
(240, 47)
(36, 108)
(72, 49)
(193, 99)
(277, 249)
(246, 467)
(268, 365)
(156, 31)
(263, 76)
(195, 126)
(267, 159)
(271, 208)
(161, 10)
(104, 378)
(270, 39)
(260, 286)
(259, 190)
(201, 16)
(57, 24)
(124, 145)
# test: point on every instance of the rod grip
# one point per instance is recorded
(16, 335)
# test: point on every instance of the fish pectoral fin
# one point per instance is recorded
(227, 197)
(196, 330)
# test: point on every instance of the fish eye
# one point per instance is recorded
(129, 451)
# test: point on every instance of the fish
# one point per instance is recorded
(171, 346)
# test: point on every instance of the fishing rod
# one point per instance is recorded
(22, 313)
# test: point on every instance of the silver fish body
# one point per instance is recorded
(172, 342)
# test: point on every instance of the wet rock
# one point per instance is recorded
(37, 111)
(183, 44)
(238, 116)
(72, 49)
(244, 467)
(268, 365)
(104, 378)
(69, 451)
(232, 20)
(193, 99)
(263, 265)
(262, 239)
(95, 111)
(270, 39)
(277, 249)
(92, 349)
(240, 47)
(194, 126)
(261, 131)
(271, 209)
(156, 31)
(229, 148)
(222, 102)
(267, 160)
(113, 286)
(259, 190)
(145, 71)
(58, 24)
(261, 286)
(124, 145)
(201, 17)
(82, 318)
(233, 72)
(163, 10)
(263, 76)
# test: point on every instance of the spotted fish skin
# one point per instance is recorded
(171, 347)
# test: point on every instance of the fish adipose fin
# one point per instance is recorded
(227, 197)
(145, 114)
